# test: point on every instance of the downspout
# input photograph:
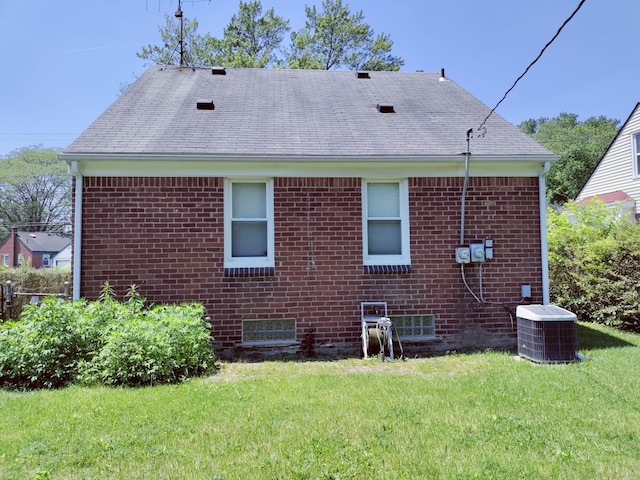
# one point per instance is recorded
(77, 231)
(544, 244)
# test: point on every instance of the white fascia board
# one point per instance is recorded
(132, 165)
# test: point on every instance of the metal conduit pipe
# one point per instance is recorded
(463, 199)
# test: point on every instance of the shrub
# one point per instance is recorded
(165, 344)
(116, 343)
(44, 348)
(593, 265)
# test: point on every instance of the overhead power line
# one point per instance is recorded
(564, 24)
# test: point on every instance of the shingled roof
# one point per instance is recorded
(44, 242)
(278, 112)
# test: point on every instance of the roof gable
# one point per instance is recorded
(308, 113)
(615, 168)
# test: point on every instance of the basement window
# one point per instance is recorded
(362, 74)
(218, 71)
(268, 331)
(414, 327)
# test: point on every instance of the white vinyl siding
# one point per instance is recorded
(249, 223)
(385, 222)
(618, 169)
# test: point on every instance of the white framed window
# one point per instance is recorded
(385, 229)
(20, 258)
(636, 155)
(269, 331)
(248, 223)
(5, 259)
(46, 260)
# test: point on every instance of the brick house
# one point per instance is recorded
(282, 199)
(37, 249)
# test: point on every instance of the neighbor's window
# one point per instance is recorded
(5, 259)
(249, 223)
(46, 260)
(269, 331)
(386, 222)
(636, 155)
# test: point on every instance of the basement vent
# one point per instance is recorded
(363, 74)
(204, 104)
(385, 108)
(218, 71)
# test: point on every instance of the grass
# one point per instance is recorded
(485, 415)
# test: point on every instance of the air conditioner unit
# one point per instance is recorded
(546, 333)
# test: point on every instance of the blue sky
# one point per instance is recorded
(63, 62)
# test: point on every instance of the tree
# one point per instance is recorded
(195, 45)
(335, 38)
(35, 190)
(252, 39)
(580, 146)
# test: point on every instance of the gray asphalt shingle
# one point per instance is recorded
(279, 112)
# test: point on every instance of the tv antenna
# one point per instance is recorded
(179, 15)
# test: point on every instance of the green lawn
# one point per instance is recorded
(485, 415)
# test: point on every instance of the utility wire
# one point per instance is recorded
(482, 128)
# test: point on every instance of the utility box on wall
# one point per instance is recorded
(546, 333)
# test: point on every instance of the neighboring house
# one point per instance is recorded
(616, 178)
(282, 199)
(62, 258)
(37, 249)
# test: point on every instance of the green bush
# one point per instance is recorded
(115, 343)
(593, 265)
(165, 344)
(44, 348)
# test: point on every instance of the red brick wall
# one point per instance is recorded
(7, 248)
(166, 236)
(13, 247)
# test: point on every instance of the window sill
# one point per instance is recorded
(250, 272)
(271, 343)
(386, 269)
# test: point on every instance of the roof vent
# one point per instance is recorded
(385, 108)
(218, 71)
(205, 104)
(362, 74)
